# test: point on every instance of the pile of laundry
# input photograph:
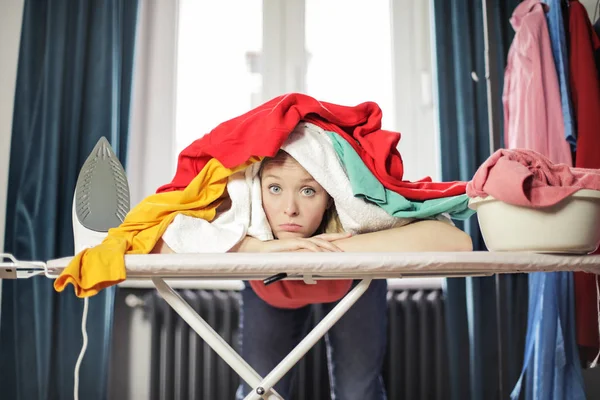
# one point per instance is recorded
(343, 148)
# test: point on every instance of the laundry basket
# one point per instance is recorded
(571, 226)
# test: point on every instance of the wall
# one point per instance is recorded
(11, 15)
(590, 6)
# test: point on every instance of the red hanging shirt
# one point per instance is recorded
(585, 94)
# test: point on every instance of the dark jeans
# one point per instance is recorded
(356, 344)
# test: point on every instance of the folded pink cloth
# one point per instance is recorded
(527, 178)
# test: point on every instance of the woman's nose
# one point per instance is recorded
(291, 209)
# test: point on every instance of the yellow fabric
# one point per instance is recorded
(94, 269)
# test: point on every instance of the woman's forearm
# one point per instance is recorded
(421, 236)
(418, 236)
(247, 245)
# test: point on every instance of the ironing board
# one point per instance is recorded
(308, 267)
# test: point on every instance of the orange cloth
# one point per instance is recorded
(94, 269)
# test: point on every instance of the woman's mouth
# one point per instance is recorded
(290, 227)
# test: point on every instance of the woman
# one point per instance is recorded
(302, 217)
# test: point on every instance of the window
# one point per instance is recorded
(349, 53)
(194, 71)
(214, 83)
(339, 51)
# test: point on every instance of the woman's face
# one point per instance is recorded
(293, 201)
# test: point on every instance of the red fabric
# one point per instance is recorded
(585, 93)
(297, 294)
(527, 178)
(263, 130)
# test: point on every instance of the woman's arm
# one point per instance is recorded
(323, 242)
(251, 245)
(420, 236)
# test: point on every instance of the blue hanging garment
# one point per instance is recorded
(551, 357)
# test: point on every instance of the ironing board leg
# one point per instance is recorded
(309, 341)
(263, 387)
(212, 338)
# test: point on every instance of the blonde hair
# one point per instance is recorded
(331, 220)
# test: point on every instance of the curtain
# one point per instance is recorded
(486, 317)
(73, 87)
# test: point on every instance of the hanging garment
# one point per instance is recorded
(558, 40)
(585, 86)
(533, 117)
(366, 186)
(551, 359)
(534, 121)
(585, 89)
(263, 130)
(597, 52)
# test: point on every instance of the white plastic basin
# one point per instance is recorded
(571, 226)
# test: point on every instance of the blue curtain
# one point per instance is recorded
(486, 317)
(73, 87)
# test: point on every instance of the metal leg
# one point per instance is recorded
(263, 387)
(309, 341)
(212, 338)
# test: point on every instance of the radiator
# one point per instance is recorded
(416, 365)
(182, 366)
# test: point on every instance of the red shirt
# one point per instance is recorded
(585, 95)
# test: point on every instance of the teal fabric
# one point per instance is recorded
(73, 86)
(365, 185)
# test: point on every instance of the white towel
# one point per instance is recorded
(188, 234)
(312, 148)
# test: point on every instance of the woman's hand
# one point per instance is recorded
(316, 243)
(319, 243)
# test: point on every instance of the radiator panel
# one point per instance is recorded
(184, 367)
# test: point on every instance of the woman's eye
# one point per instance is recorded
(275, 189)
(308, 192)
